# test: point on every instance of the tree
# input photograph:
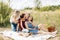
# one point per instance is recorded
(37, 4)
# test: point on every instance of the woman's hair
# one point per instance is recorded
(32, 19)
(22, 15)
(17, 11)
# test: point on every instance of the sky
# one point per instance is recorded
(21, 4)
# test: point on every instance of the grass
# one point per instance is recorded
(46, 17)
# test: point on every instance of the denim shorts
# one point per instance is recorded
(33, 31)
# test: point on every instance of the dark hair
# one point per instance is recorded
(22, 16)
(31, 19)
(17, 11)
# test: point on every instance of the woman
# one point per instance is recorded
(21, 28)
(21, 23)
(30, 26)
(14, 20)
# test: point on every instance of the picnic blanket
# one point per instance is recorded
(15, 36)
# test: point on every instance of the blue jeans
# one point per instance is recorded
(36, 27)
(13, 26)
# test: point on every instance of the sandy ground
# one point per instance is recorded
(7, 38)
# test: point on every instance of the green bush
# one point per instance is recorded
(48, 8)
(4, 14)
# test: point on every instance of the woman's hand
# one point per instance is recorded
(32, 23)
(34, 28)
(17, 27)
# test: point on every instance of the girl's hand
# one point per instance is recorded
(32, 23)
(34, 29)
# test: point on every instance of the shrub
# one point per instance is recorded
(4, 14)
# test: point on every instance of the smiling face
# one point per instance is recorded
(30, 19)
(27, 16)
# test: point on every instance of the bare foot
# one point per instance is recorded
(29, 34)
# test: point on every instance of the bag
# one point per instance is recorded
(51, 29)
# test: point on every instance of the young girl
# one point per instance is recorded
(34, 29)
(30, 26)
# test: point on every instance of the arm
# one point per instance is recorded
(22, 25)
(17, 27)
(32, 23)
(27, 26)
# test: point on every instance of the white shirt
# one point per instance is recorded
(12, 19)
